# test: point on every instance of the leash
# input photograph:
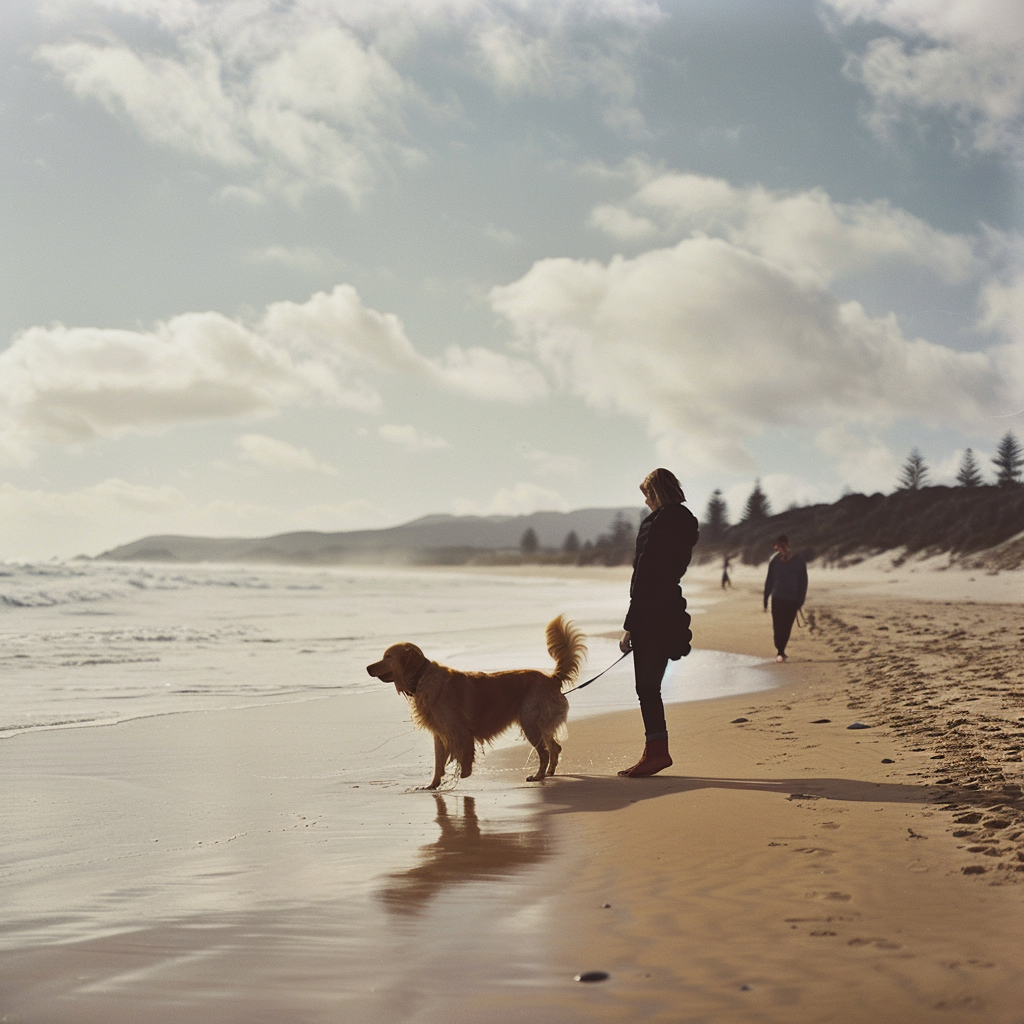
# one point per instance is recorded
(599, 674)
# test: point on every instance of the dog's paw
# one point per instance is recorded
(535, 778)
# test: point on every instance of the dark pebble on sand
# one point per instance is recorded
(888, 760)
(736, 721)
(592, 976)
(858, 725)
(821, 721)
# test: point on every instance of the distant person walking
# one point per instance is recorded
(657, 624)
(786, 585)
(726, 582)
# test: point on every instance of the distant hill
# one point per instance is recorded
(435, 539)
(983, 526)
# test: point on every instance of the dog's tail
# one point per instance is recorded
(567, 647)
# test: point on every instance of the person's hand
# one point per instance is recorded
(626, 643)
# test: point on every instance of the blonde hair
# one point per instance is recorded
(662, 485)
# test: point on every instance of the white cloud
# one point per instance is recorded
(176, 103)
(538, 53)
(323, 110)
(61, 385)
(311, 93)
(806, 234)
(1002, 312)
(272, 453)
(520, 500)
(338, 327)
(960, 58)
(709, 344)
(410, 439)
(620, 223)
(489, 375)
(862, 463)
(984, 22)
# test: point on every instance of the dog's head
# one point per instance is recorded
(399, 665)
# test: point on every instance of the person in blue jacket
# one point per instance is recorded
(657, 625)
(786, 585)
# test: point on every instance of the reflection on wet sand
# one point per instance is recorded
(465, 852)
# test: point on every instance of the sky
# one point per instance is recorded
(274, 265)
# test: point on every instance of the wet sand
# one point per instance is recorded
(278, 864)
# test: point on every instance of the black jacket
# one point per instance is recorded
(786, 581)
(657, 613)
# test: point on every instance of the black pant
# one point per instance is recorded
(783, 614)
(649, 663)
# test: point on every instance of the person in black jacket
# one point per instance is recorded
(657, 626)
(786, 585)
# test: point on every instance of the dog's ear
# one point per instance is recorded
(409, 659)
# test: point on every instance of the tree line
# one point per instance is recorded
(616, 545)
(613, 547)
(1008, 460)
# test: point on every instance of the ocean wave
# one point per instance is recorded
(50, 584)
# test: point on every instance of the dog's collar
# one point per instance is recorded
(411, 687)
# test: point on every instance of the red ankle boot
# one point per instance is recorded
(655, 758)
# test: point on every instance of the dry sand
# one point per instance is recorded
(238, 867)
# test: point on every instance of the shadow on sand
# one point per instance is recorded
(602, 793)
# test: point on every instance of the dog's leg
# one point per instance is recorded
(465, 757)
(440, 760)
(556, 748)
(533, 735)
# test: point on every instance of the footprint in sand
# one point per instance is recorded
(876, 942)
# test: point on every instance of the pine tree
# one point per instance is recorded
(969, 475)
(529, 544)
(617, 546)
(758, 506)
(914, 472)
(571, 544)
(1009, 460)
(716, 517)
(622, 541)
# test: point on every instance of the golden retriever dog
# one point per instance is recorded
(463, 709)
